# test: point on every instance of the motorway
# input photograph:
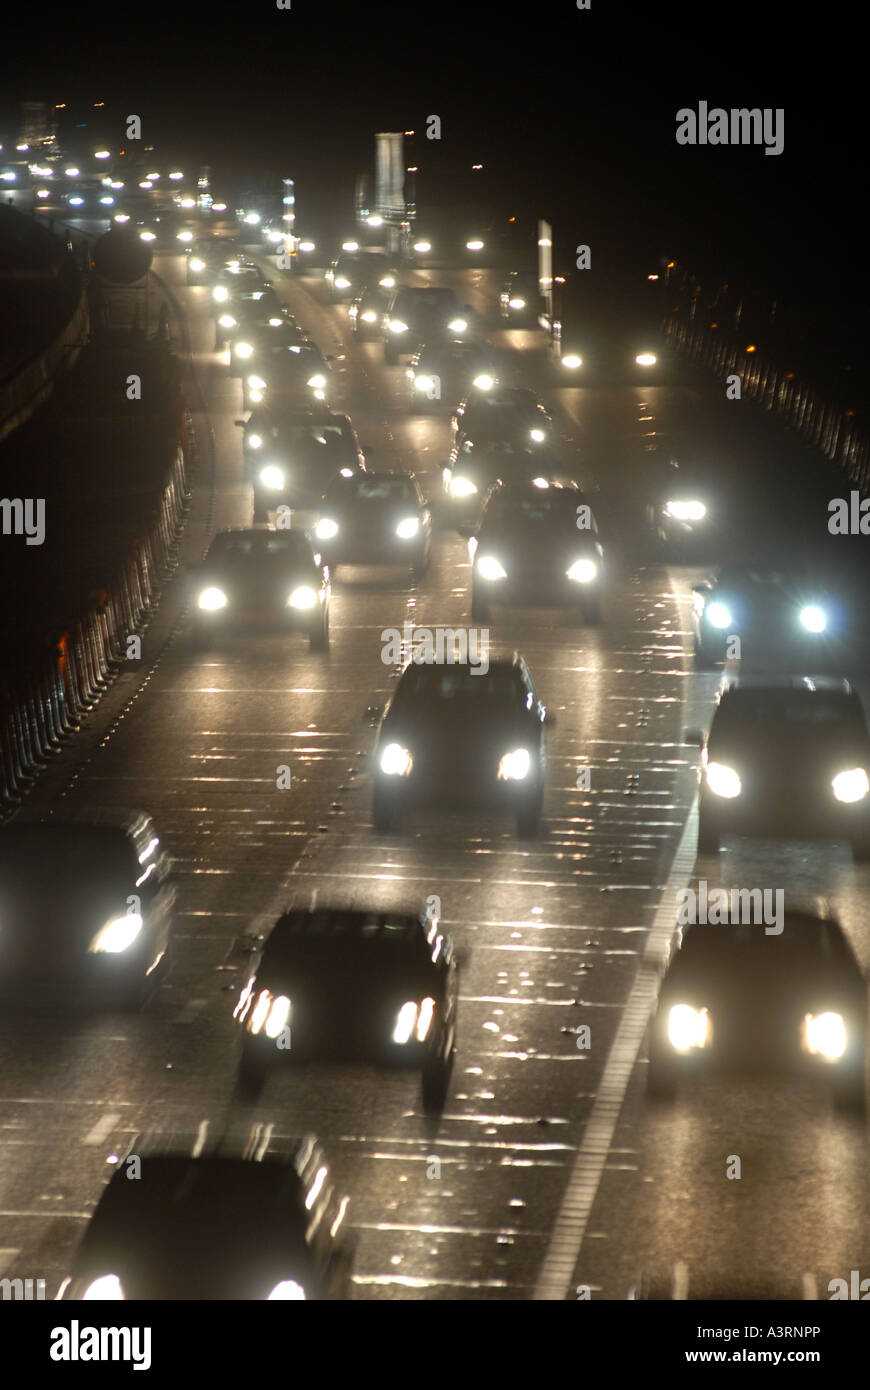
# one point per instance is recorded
(553, 1171)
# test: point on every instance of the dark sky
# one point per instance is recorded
(573, 112)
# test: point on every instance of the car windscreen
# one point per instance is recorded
(460, 683)
(810, 712)
(260, 545)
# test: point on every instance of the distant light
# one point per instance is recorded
(147, 236)
(176, 174)
(102, 154)
(411, 169)
(422, 247)
(107, 201)
(153, 176)
(375, 220)
(671, 265)
(72, 173)
(22, 147)
(76, 202)
(252, 219)
(184, 236)
(146, 183)
(350, 246)
(477, 166)
(409, 132)
(99, 103)
(119, 216)
(475, 245)
(116, 183)
(307, 246)
(42, 192)
(8, 177)
(751, 348)
(215, 207)
(59, 105)
(188, 202)
(652, 277)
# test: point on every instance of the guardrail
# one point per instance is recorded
(825, 425)
(40, 710)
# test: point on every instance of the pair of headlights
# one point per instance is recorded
(582, 571)
(514, 766)
(212, 600)
(848, 786)
(811, 617)
(822, 1035)
(109, 1289)
(326, 528)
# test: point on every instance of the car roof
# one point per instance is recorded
(350, 925)
(136, 825)
(774, 685)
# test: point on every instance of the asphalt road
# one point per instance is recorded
(553, 1171)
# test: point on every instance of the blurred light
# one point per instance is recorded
(176, 174)
(72, 173)
(375, 220)
(350, 246)
(42, 193)
(146, 183)
(102, 154)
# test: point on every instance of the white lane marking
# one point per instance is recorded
(555, 1277)
(7, 1255)
(199, 1142)
(102, 1129)
(681, 1282)
(809, 1286)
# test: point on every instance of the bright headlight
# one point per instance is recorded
(488, 567)
(227, 321)
(515, 766)
(517, 303)
(688, 1027)
(571, 361)
(212, 599)
(813, 618)
(463, 487)
(184, 236)
(117, 935)
(220, 293)
(106, 1289)
(423, 383)
(256, 383)
(646, 359)
(406, 1020)
(244, 350)
(326, 528)
(408, 528)
(272, 476)
(686, 511)
(303, 597)
(583, 571)
(341, 282)
(718, 615)
(484, 382)
(388, 282)
(396, 761)
(851, 785)
(722, 780)
(825, 1035)
(537, 436)
(288, 1289)
(307, 246)
(474, 245)
(422, 247)
(274, 237)
(369, 316)
(278, 1016)
(196, 263)
(350, 246)
(397, 326)
(255, 441)
(317, 382)
(145, 236)
(457, 325)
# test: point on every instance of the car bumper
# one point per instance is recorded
(789, 815)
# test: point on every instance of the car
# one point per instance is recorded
(520, 301)
(375, 518)
(295, 372)
(241, 1220)
(536, 544)
(252, 577)
(356, 985)
(87, 909)
(366, 310)
(253, 341)
(688, 511)
(607, 330)
(455, 734)
(208, 256)
(739, 997)
(302, 252)
(786, 756)
(250, 302)
(351, 270)
(788, 617)
(490, 409)
(418, 315)
(445, 370)
(476, 464)
(292, 455)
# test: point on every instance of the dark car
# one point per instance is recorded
(342, 984)
(418, 315)
(292, 455)
(445, 371)
(258, 578)
(788, 617)
(352, 269)
(740, 997)
(456, 734)
(786, 757)
(688, 511)
(536, 545)
(520, 301)
(297, 373)
(87, 903)
(367, 308)
(259, 1220)
(253, 342)
(604, 356)
(476, 464)
(209, 256)
(249, 304)
(492, 410)
(375, 519)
